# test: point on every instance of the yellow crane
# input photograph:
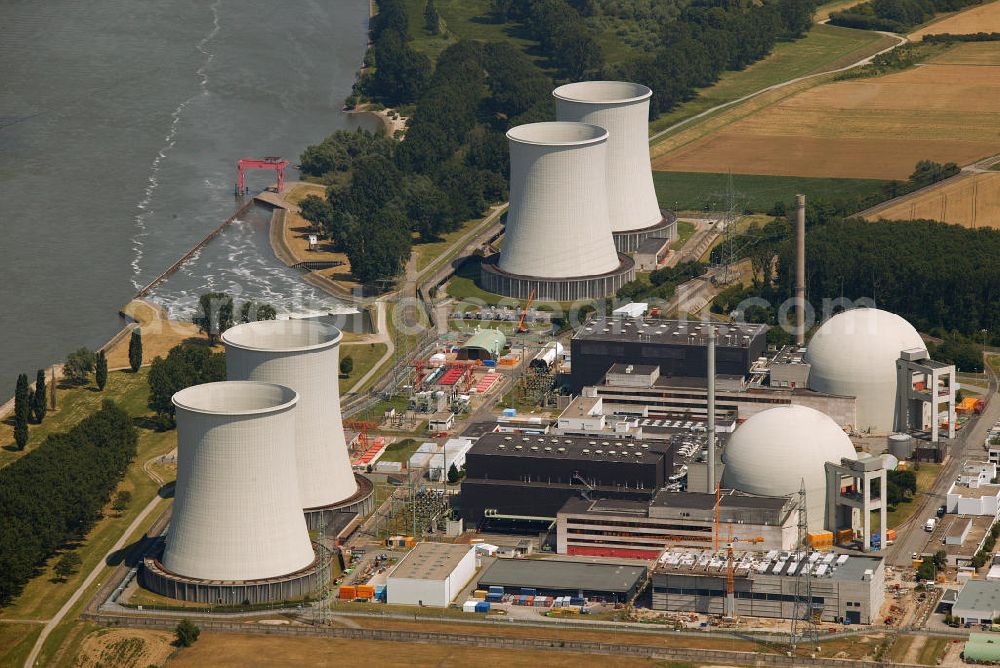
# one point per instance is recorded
(730, 609)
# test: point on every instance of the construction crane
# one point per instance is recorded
(730, 579)
(520, 325)
(270, 162)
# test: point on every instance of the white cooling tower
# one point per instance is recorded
(236, 515)
(621, 108)
(557, 224)
(302, 355)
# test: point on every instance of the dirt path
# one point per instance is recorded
(913, 651)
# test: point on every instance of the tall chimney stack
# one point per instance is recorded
(800, 270)
(711, 410)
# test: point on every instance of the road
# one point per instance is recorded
(911, 537)
(381, 336)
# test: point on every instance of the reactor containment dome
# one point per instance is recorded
(854, 354)
(302, 355)
(774, 451)
(558, 241)
(621, 108)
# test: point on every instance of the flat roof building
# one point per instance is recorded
(638, 530)
(767, 584)
(431, 574)
(556, 577)
(978, 602)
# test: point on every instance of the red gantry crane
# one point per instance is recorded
(269, 162)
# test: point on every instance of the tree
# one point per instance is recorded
(67, 565)
(20, 435)
(135, 350)
(940, 559)
(251, 311)
(432, 20)
(187, 633)
(39, 403)
(347, 366)
(122, 501)
(453, 474)
(184, 366)
(79, 365)
(22, 400)
(215, 314)
(101, 372)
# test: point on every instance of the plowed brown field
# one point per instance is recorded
(871, 128)
(985, 18)
(972, 200)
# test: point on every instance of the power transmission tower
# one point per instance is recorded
(730, 204)
(803, 624)
(323, 616)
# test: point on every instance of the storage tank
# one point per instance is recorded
(302, 355)
(901, 446)
(236, 515)
(558, 239)
(622, 108)
(854, 354)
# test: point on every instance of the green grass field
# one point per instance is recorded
(684, 232)
(365, 355)
(691, 191)
(824, 48)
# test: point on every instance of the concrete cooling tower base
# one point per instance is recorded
(628, 241)
(294, 586)
(496, 280)
(361, 502)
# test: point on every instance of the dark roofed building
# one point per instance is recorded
(553, 577)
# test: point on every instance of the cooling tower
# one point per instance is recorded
(621, 108)
(302, 355)
(236, 515)
(558, 235)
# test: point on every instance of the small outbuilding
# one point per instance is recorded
(978, 602)
(982, 648)
(485, 344)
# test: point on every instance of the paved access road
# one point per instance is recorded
(966, 446)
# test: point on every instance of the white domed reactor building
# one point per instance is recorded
(854, 353)
(237, 532)
(622, 108)
(305, 355)
(558, 239)
(774, 451)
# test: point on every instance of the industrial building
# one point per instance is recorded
(638, 530)
(485, 344)
(849, 496)
(438, 459)
(431, 574)
(776, 452)
(514, 478)
(854, 353)
(775, 584)
(237, 532)
(557, 244)
(974, 493)
(304, 356)
(610, 582)
(977, 603)
(922, 387)
(622, 108)
(960, 536)
(677, 347)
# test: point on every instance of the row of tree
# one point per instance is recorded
(895, 15)
(216, 313)
(185, 365)
(55, 493)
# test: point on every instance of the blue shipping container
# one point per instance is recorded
(496, 589)
(489, 363)
(494, 598)
(509, 412)
(528, 591)
(482, 606)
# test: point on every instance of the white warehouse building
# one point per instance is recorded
(558, 241)
(431, 574)
(622, 108)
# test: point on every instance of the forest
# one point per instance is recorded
(54, 494)
(895, 15)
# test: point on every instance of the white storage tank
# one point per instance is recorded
(302, 355)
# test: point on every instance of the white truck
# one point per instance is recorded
(931, 523)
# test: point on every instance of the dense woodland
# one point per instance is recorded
(185, 365)
(383, 194)
(54, 494)
(895, 15)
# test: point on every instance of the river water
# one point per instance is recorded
(120, 126)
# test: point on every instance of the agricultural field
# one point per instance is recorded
(970, 53)
(693, 191)
(984, 18)
(863, 128)
(823, 49)
(971, 200)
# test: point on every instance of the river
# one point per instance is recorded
(120, 126)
